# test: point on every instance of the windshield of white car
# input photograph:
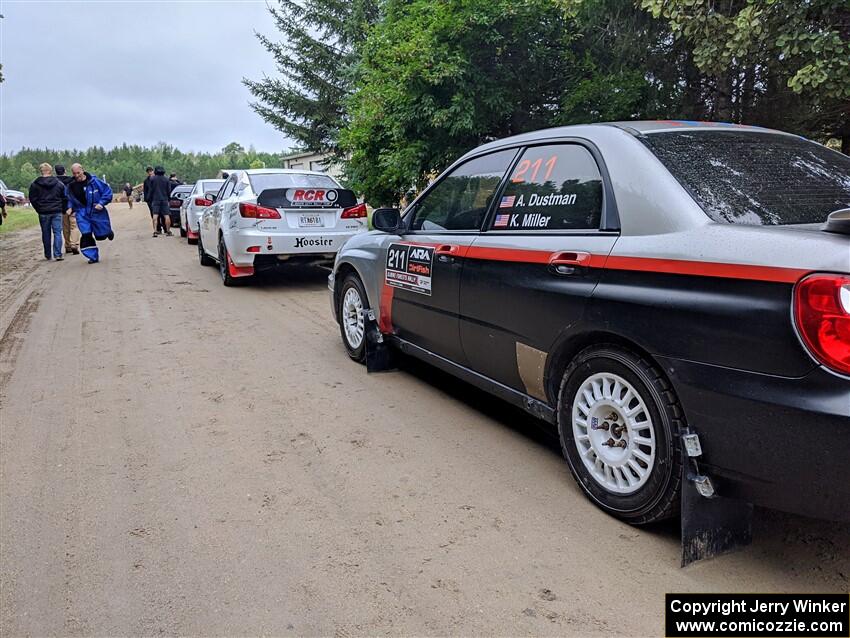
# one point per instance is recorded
(741, 177)
(209, 185)
(262, 181)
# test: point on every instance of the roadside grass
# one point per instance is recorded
(19, 218)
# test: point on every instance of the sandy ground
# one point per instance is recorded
(182, 458)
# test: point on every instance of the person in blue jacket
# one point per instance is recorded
(88, 197)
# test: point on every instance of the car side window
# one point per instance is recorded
(227, 189)
(555, 187)
(461, 199)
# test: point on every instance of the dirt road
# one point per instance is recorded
(182, 458)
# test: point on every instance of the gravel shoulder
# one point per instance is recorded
(177, 457)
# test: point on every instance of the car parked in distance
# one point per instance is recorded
(194, 205)
(175, 201)
(635, 283)
(264, 217)
(13, 197)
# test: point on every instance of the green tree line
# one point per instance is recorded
(397, 89)
(127, 163)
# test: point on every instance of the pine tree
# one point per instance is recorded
(315, 59)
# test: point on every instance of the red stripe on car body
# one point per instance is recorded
(753, 272)
(385, 309)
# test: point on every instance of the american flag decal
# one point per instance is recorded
(501, 221)
(507, 201)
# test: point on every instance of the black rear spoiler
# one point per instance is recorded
(838, 222)
(277, 198)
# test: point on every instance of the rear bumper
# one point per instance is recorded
(773, 441)
(192, 222)
(289, 243)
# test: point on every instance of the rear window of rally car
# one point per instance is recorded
(753, 178)
(262, 181)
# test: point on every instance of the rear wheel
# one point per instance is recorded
(205, 259)
(618, 421)
(352, 326)
(223, 267)
(183, 232)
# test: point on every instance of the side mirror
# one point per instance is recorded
(210, 195)
(387, 220)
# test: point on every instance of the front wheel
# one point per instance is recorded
(183, 232)
(352, 326)
(618, 421)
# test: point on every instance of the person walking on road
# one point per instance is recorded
(160, 191)
(88, 197)
(47, 196)
(128, 191)
(146, 195)
(69, 219)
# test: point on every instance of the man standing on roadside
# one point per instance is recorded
(128, 191)
(146, 193)
(69, 219)
(88, 196)
(47, 196)
(160, 191)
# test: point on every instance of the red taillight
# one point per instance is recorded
(174, 203)
(252, 249)
(258, 212)
(200, 201)
(822, 313)
(354, 212)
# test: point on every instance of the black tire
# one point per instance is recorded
(203, 257)
(183, 232)
(658, 498)
(226, 278)
(357, 353)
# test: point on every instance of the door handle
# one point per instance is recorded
(565, 262)
(446, 252)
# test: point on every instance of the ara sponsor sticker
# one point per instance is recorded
(409, 267)
(311, 196)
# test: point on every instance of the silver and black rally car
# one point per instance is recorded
(659, 290)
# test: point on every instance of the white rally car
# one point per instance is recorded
(262, 217)
(194, 205)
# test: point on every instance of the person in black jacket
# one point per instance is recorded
(159, 223)
(159, 189)
(69, 219)
(47, 196)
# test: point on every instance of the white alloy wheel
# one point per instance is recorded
(352, 318)
(613, 433)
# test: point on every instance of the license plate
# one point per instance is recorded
(310, 221)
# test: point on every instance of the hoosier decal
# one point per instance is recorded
(409, 267)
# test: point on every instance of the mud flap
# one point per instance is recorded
(379, 356)
(711, 525)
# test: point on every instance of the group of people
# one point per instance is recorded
(157, 190)
(69, 206)
(72, 208)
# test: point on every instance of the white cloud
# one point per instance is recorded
(81, 73)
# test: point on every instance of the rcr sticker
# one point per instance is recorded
(409, 267)
(311, 196)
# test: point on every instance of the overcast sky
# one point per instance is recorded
(81, 73)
